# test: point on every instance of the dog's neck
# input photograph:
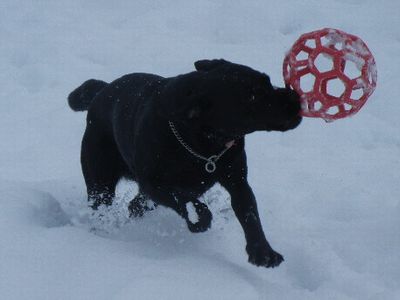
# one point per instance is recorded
(210, 161)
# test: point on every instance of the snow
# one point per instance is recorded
(193, 217)
(328, 194)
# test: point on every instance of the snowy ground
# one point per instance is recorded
(329, 194)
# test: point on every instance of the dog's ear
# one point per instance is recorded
(208, 65)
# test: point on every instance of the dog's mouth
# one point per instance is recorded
(290, 124)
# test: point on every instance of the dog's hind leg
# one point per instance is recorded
(102, 167)
(139, 205)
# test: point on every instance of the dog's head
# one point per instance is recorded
(227, 100)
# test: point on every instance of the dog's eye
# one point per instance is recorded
(252, 98)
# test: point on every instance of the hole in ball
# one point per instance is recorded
(335, 87)
(352, 70)
(356, 94)
(307, 82)
(302, 55)
(347, 107)
(333, 110)
(326, 41)
(310, 43)
(317, 105)
(323, 62)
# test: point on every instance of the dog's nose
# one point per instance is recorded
(293, 107)
(290, 100)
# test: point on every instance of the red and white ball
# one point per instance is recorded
(334, 72)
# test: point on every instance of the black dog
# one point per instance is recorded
(177, 137)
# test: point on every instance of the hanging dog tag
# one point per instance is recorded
(211, 165)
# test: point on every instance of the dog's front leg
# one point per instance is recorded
(245, 207)
(204, 217)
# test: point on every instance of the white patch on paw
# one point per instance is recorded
(192, 214)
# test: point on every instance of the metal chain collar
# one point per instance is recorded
(211, 161)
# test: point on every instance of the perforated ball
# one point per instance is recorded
(334, 72)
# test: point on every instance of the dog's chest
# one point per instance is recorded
(161, 159)
(177, 169)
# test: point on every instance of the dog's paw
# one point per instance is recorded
(204, 218)
(264, 256)
(135, 209)
(139, 205)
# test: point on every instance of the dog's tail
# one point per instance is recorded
(82, 96)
